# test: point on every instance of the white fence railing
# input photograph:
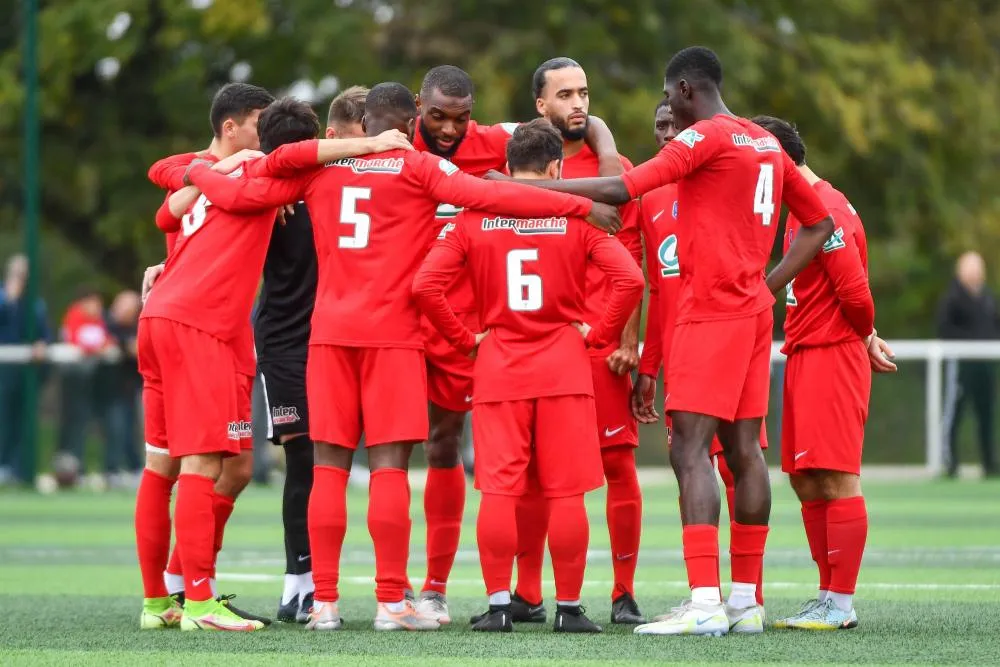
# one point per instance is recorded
(932, 352)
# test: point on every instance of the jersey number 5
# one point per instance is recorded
(524, 290)
(763, 198)
(350, 215)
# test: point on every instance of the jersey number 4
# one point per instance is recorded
(524, 290)
(350, 215)
(763, 198)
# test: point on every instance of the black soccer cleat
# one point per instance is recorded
(288, 613)
(521, 610)
(499, 618)
(228, 601)
(625, 611)
(574, 619)
(305, 608)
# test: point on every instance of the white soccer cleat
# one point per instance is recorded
(748, 621)
(324, 616)
(407, 619)
(434, 606)
(689, 619)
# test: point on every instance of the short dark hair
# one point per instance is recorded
(390, 98)
(348, 107)
(538, 80)
(787, 135)
(285, 121)
(533, 146)
(695, 64)
(450, 80)
(662, 104)
(237, 101)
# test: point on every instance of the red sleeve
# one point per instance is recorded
(630, 234)
(652, 348)
(800, 197)
(443, 264)
(497, 137)
(627, 284)
(446, 183)
(689, 150)
(841, 259)
(289, 159)
(246, 194)
(165, 220)
(168, 173)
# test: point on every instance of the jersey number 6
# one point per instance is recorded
(524, 290)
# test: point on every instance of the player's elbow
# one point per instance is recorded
(615, 192)
(824, 228)
(634, 284)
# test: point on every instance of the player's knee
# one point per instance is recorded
(443, 451)
(237, 471)
(835, 485)
(163, 464)
(390, 455)
(332, 456)
(203, 465)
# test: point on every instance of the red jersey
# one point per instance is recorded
(529, 277)
(732, 176)
(584, 164)
(659, 229)
(373, 222)
(483, 148)
(168, 174)
(830, 301)
(211, 277)
(86, 331)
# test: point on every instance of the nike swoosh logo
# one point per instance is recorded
(304, 558)
(656, 217)
(625, 557)
(610, 432)
(835, 551)
(801, 454)
(434, 582)
(468, 399)
(703, 621)
(198, 582)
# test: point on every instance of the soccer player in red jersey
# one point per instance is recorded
(188, 333)
(732, 176)
(534, 399)
(234, 113)
(829, 328)
(445, 128)
(563, 97)
(659, 228)
(373, 222)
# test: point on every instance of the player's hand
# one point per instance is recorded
(643, 395)
(391, 140)
(605, 217)
(480, 337)
(148, 278)
(624, 359)
(880, 355)
(583, 328)
(233, 162)
(195, 163)
(284, 212)
(494, 175)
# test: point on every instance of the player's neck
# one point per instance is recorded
(529, 176)
(572, 146)
(221, 149)
(809, 175)
(712, 106)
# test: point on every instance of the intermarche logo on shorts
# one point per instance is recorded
(240, 429)
(284, 415)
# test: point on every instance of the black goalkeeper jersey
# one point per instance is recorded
(281, 329)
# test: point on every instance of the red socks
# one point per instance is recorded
(389, 526)
(444, 502)
(727, 478)
(846, 532)
(814, 520)
(152, 530)
(746, 551)
(222, 508)
(569, 535)
(496, 533)
(624, 511)
(701, 555)
(195, 528)
(532, 524)
(327, 517)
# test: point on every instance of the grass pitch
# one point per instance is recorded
(929, 593)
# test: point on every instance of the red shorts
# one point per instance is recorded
(449, 372)
(721, 368)
(378, 391)
(825, 408)
(557, 433)
(244, 408)
(613, 399)
(189, 391)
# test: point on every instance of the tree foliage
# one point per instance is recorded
(897, 104)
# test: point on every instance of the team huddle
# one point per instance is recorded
(418, 267)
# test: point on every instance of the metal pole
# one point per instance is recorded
(29, 446)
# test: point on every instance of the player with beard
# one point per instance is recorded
(445, 128)
(563, 97)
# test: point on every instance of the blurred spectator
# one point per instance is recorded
(13, 330)
(84, 327)
(120, 390)
(968, 311)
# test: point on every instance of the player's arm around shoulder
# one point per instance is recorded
(242, 193)
(168, 173)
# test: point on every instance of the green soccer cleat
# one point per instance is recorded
(215, 615)
(826, 616)
(808, 606)
(160, 613)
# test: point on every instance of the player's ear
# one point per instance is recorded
(554, 170)
(330, 133)
(416, 100)
(229, 128)
(364, 124)
(411, 127)
(540, 106)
